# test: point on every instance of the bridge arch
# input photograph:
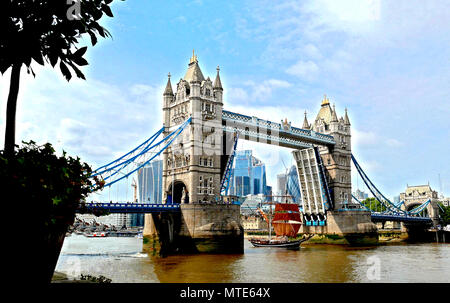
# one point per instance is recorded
(180, 193)
(424, 213)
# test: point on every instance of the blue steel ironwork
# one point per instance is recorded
(144, 150)
(399, 218)
(376, 193)
(227, 175)
(380, 217)
(176, 132)
(131, 208)
(419, 208)
(145, 142)
(127, 162)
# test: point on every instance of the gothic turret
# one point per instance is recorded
(217, 87)
(305, 122)
(217, 82)
(168, 91)
(333, 114)
(194, 74)
(346, 119)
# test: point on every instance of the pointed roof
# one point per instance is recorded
(305, 122)
(325, 112)
(346, 119)
(194, 74)
(217, 82)
(334, 117)
(168, 90)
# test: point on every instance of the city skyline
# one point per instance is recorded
(384, 64)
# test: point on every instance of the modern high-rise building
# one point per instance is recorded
(248, 175)
(288, 185)
(149, 188)
(281, 184)
(361, 195)
(150, 183)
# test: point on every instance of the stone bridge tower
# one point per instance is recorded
(192, 163)
(338, 160)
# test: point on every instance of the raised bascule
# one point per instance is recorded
(198, 146)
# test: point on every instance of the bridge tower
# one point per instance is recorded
(192, 164)
(337, 160)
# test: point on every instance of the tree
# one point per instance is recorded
(45, 31)
(47, 187)
(445, 214)
(374, 205)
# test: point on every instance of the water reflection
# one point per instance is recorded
(199, 268)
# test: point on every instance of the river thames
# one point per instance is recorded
(122, 261)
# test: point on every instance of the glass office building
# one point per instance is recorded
(149, 188)
(288, 185)
(248, 175)
(150, 183)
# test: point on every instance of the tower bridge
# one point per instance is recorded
(199, 140)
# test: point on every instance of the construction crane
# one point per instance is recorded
(134, 185)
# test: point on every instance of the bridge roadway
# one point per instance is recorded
(131, 208)
(379, 217)
(153, 208)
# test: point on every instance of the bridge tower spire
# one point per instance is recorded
(305, 122)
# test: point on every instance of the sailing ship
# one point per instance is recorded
(286, 223)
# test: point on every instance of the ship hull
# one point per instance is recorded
(277, 244)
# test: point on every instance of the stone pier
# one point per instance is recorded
(352, 227)
(198, 228)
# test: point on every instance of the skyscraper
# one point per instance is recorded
(150, 183)
(288, 185)
(248, 175)
(149, 188)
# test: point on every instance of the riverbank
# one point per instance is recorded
(59, 277)
(383, 237)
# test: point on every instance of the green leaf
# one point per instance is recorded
(80, 61)
(65, 71)
(56, 201)
(108, 11)
(79, 75)
(38, 58)
(93, 38)
(80, 52)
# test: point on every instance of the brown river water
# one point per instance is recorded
(122, 260)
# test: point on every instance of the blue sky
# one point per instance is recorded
(386, 61)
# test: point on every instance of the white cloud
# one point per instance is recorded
(312, 51)
(394, 143)
(255, 91)
(360, 138)
(91, 119)
(303, 69)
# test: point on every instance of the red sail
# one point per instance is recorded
(287, 220)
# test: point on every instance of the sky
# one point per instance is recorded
(387, 62)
